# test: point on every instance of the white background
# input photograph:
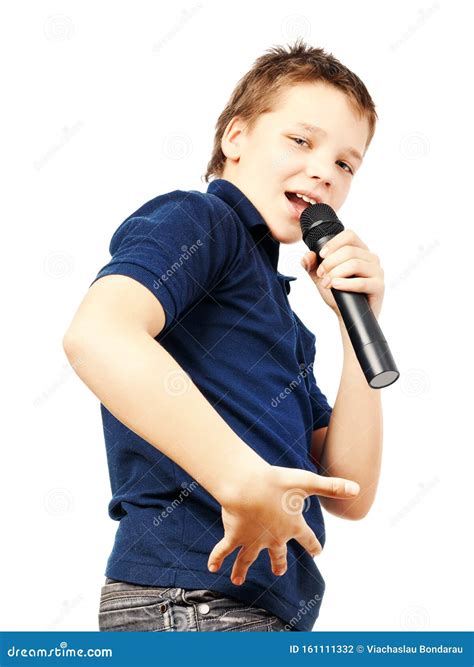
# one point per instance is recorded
(110, 104)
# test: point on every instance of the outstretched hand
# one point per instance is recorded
(268, 513)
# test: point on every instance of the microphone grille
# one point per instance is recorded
(327, 222)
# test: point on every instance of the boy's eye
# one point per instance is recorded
(300, 139)
(348, 167)
(296, 139)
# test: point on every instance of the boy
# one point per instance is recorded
(188, 339)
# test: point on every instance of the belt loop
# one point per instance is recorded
(183, 595)
(177, 594)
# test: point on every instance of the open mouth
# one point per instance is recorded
(298, 205)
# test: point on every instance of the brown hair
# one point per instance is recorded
(258, 90)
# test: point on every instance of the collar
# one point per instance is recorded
(252, 219)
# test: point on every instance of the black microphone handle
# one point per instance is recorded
(370, 347)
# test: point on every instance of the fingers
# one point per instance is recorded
(344, 254)
(278, 557)
(345, 261)
(244, 560)
(340, 248)
(346, 237)
(287, 489)
(352, 267)
(332, 487)
(309, 541)
(365, 285)
(309, 261)
(222, 549)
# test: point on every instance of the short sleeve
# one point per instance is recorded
(178, 245)
(321, 410)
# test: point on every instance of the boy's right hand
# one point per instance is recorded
(267, 513)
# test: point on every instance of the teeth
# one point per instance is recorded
(310, 201)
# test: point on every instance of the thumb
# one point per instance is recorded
(332, 487)
(309, 261)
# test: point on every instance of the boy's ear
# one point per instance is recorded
(230, 143)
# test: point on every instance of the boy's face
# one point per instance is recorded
(277, 156)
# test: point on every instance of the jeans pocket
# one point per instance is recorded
(133, 611)
(227, 615)
(250, 626)
(279, 625)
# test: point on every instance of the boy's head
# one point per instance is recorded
(260, 147)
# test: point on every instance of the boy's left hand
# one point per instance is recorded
(349, 261)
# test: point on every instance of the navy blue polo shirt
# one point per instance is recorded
(210, 260)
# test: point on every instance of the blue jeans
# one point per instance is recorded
(132, 607)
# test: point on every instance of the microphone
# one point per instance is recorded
(319, 224)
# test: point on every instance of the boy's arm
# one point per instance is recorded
(351, 446)
(110, 344)
(317, 443)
